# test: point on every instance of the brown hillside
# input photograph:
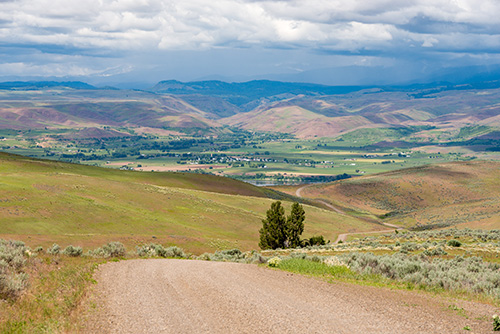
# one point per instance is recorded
(296, 120)
(329, 116)
(436, 195)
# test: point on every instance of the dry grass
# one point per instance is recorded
(462, 193)
(52, 302)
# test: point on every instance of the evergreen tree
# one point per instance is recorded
(273, 231)
(295, 225)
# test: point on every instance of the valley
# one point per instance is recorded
(246, 132)
(396, 180)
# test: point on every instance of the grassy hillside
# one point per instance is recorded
(42, 202)
(462, 193)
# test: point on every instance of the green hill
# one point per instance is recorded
(42, 202)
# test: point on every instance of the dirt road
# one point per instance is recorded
(298, 193)
(186, 296)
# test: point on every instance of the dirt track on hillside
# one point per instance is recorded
(343, 237)
(185, 296)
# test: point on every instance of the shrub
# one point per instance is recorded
(174, 251)
(54, 250)
(334, 261)
(158, 250)
(298, 255)
(459, 273)
(204, 257)
(434, 252)
(13, 255)
(409, 247)
(12, 285)
(233, 255)
(12, 260)
(257, 258)
(315, 258)
(111, 249)
(317, 241)
(274, 262)
(454, 243)
(73, 251)
(496, 323)
(230, 255)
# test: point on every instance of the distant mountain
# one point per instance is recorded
(36, 85)
(242, 93)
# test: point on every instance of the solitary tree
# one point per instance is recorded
(273, 231)
(280, 232)
(295, 225)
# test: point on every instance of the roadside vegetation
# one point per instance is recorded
(43, 289)
(464, 263)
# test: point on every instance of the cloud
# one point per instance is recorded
(119, 28)
(196, 24)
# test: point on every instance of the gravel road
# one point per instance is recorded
(186, 296)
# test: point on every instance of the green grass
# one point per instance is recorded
(42, 202)
(306, 267)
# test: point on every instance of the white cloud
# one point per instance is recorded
(197, 24)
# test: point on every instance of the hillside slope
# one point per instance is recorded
(42, 202)
(435, 114)
(461, 193)
(331, 115)
(292, 119)
(96, 108)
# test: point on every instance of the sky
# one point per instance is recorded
(324, 41)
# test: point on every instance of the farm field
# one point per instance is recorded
(255, 157)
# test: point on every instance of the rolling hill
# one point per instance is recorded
(436, 113)
(444, 111)
(42, 202)
(462, 194)
(70, 109)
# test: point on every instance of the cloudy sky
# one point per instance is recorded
(327, 41)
